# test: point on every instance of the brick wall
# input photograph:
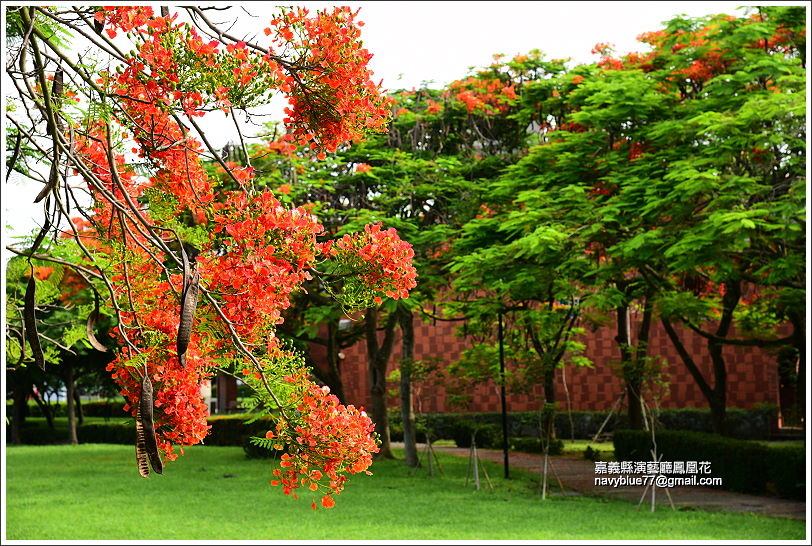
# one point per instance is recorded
(752, 373)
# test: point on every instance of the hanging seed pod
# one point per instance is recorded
(30, 302)
(56, 102)
(30, 321)
(98, 26)
(145, 418)
(53, 179)
(56, 98)
(40, 236)
(187, 314)
(141, 445)
(21, 337)
(92, 319)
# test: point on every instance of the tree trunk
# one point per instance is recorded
(688, 360)
(77, 399)
(406, 406)
(718, 401)
(332, 375)
(70, 387)
(718, 409)
(378, 360)
(19, 408)
(799, 343)
(548, 433)
(631, 374)
(550, 352)
(45, 408)
(549, 382)
(635, 404)
(716, 395)
(641, 354)
(800, 393)
(334, 361)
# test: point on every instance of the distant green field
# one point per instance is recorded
(577, 447)
(94, 492)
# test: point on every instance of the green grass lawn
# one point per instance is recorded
(94, 492)
(576, 448)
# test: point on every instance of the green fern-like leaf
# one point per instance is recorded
(73, 335)
(264, 443)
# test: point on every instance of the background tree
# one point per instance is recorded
(670, 169)
(726, 211)
(64, 309)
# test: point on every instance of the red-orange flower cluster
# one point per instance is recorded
(332, 97)
(266, 253)
(324, 443)
(338, 101)
(385, 260)
(485, 95)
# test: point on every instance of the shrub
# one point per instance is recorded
(752, 424)
(632, 445)
(103, 408)
(592, 454)
(36, 432)
(106, 433)
(487, 436)
(534, 445)
(96, 408)
(229, 430)
(232, 430)
(253, 451)
(396, 431)
(58, 409)
(744, 466)
(786, 466)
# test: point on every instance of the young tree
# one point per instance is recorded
(198, 273)
(508, 273)
(725, 210)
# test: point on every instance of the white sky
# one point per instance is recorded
(438, 42)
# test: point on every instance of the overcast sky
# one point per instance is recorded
(438, 42)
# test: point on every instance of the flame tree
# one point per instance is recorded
(198, 266)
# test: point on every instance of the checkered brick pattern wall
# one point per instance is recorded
(752, 374)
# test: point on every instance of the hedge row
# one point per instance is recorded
(231, 430)
(753, 424)
(744, 466)
(97, 408)
(488, 436)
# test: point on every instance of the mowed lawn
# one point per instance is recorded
(94, 492)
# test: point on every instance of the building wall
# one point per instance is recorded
(752, 374)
